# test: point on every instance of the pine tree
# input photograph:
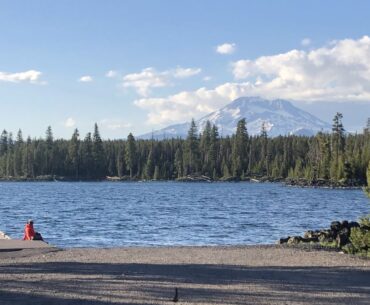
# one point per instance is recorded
(98, 154)
(179, 162)
(27, 162)
(131, 154)
(213, 153)
(121, 165)
(149, 167)
(239, 149)
(86, 153)
(18, 149)
(337, 147)
(3, 143)
(74, 153)
(49, 153)
(192, 158)
(10, 157)
(205, 141)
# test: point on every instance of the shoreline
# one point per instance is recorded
(258, 274)
(282, 182)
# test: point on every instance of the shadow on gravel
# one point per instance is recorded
(102, 284)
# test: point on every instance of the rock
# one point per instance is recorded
(343, 237)
(310, 239)
(4, 236)
(335, 226)
(353, 224)
(295, 240)
(345, 224)
(283, 240)
(325, 236)
(308, 234)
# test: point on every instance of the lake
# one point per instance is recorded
(106, 214)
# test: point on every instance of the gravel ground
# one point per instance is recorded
(203, 275)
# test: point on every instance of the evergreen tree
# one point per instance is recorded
(27, 159)
(86, 153)
(74, 153)
(205, 141)
(49, 157)
(192, 150)
(98, 154)
(3, 143)
(337, 147)
(149, 167)
(213, 153)
(179, 162)
(121, 165)
(18, 160)
(131, 154)
(239, 149)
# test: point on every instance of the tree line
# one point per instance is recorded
(335, 156)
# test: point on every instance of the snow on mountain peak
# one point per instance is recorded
(280, 117)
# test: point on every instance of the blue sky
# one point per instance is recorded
(165, 66)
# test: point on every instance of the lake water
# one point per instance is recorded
(104, 214)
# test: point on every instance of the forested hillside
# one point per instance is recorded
(337, 156)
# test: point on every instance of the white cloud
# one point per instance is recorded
(306, 42)
(114, 124)
(69, 123)
(187, 104)
(226, 48)
(150, 78)
(207, 78)
(31, 76)
(145, 80)
(337, 72)
(85, 79)
(111, 74)
(186, 72)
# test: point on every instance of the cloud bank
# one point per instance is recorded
(339, 71)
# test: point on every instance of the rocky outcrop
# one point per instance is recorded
(4, 236)
(323, 183)
(338, 235)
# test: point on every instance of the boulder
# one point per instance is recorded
(283, 240)
(345, 224)
(308, 234)
(343, 237)
(295, 240)
(4, 236)
(353, 224)
(335, 226)
(310, 239)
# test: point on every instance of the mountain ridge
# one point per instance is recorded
(280, 117)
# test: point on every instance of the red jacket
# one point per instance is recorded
(29, 232)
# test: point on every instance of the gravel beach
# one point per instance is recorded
(203, 275)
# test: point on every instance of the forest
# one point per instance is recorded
(336, 156)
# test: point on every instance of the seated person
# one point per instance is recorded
(29, 232)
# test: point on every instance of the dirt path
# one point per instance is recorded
(203, 275)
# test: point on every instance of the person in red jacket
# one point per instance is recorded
(29, 231)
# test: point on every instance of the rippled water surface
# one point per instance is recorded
(107, 214)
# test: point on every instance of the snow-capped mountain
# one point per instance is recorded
(279, 116)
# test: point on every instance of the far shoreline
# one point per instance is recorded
(288, 182)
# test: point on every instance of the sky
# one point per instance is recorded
(137, 66)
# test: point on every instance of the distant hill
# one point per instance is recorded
(280, 118)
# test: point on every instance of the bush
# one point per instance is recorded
(360, 237)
